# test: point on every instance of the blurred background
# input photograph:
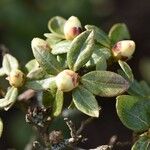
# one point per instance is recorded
(22, 20)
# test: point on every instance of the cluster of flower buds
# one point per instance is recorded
(123, 50)
(16, 78)
(67, 80)
(72, 28)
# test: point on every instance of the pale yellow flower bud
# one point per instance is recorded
(16, 78)
(67, 80)
(123, 49)
(72, 28)
(40, 44)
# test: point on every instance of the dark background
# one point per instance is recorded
(22, 20)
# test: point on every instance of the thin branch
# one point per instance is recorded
(113, 140)
(71, 127)
(84, 124)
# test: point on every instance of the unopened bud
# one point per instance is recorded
(39, 44)
(67, 80)
(123, 49)
(72, 28)
(16, 78)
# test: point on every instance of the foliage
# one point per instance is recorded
(80, 68)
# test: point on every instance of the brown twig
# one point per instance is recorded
(113, 140)
(84, 124)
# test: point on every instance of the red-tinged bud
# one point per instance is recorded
(67, 80)
(72, 28)
(16, 78)
(123, 50)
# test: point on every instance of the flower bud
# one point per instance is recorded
(123, 49)
(67, 80)
(40, 44)
(72, 28)
(16, 78)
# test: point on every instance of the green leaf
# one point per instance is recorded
(127, 70)
(56, 26)
(31, 65)
(136, 89)
(58, 103)
(61, 47)
(104, 83)
(48, 98)
(34, 70)
(62, 59)
(143, 143)
(146, 88)
(85, 101)
(39, 85)
(97, 53)
(10, 98)
(134, 112)
(100, 36)
(36, 74)
(1, 127)
(81, 50)
(105, 52)
(47, 61)
(52, 39)
(101, 64)
(119, 32)
(9, 63)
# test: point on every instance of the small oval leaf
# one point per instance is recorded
(9, 63)
(101, 64)
(52, 39)
(146, 88)
(10, 98)
(46, 60)
(81, 50)
(104, 83)
(36, 74)
(136, 89)
(62, 59)
(100, 36)
(61, 47)
(58, 103)
(127, 70)
(134, 112)
(47, 98)
(44, 84)
(143, 143)
(85, 101)
(56, 26)
(97, 53)
(31, 65)
(119, 32)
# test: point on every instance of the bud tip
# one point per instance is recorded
(123, 49)
(72, 28)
